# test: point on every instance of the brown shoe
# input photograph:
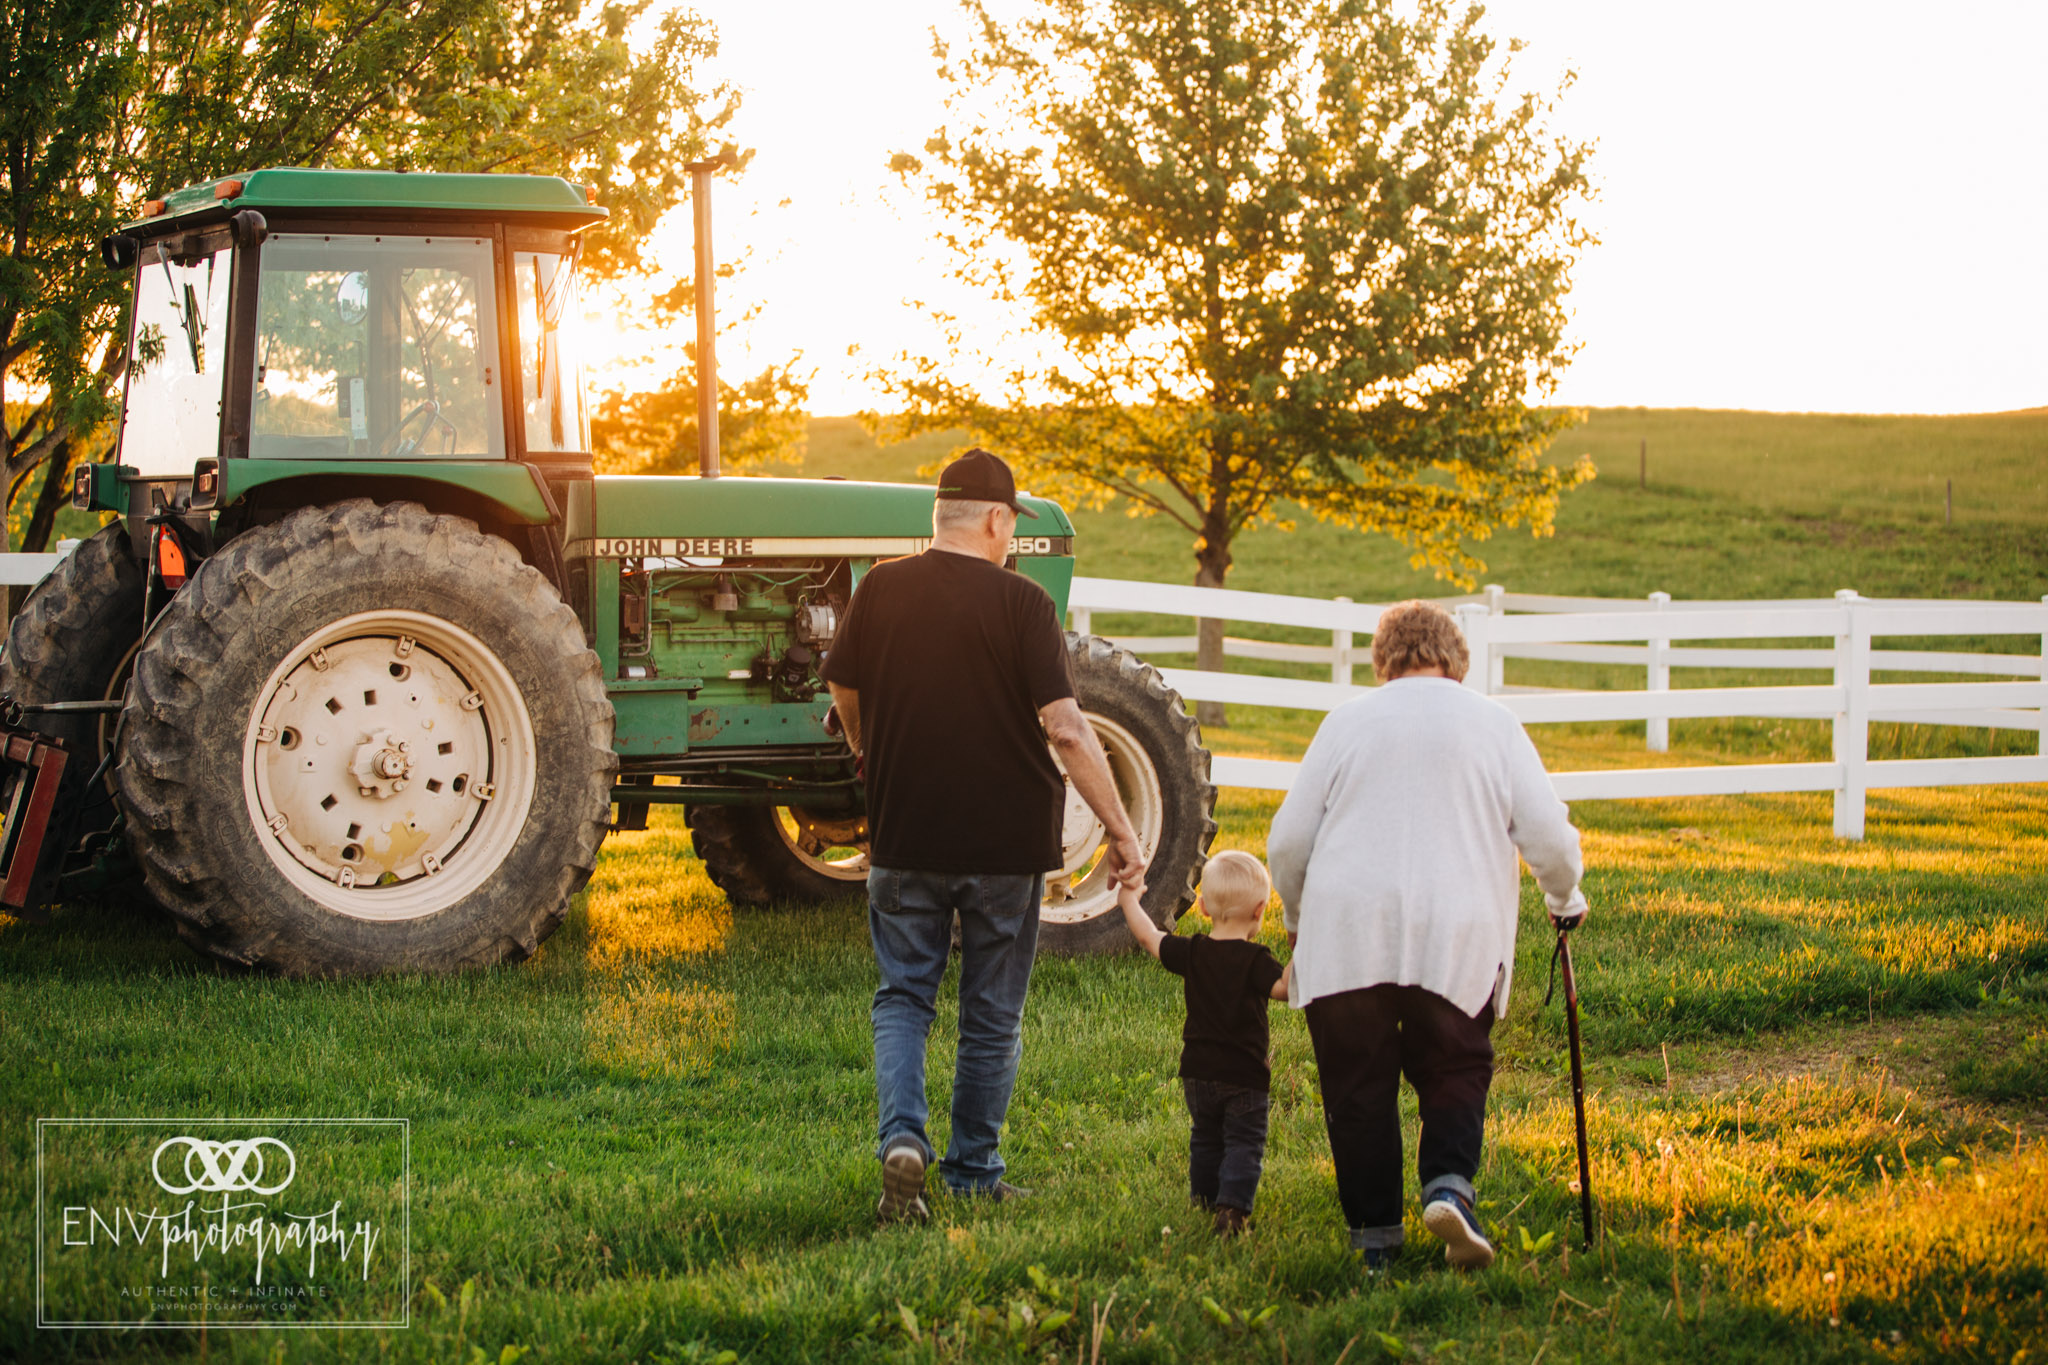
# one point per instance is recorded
(1231, 1222)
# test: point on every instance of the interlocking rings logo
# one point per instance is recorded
(224, 1167)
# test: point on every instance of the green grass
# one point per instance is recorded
(1814, 1066)
(655, 1136)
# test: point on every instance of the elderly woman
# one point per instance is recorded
(1394, 855)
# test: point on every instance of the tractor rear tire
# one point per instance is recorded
(1155, 753)
(366, 738)
(71, 641)
(756, 854)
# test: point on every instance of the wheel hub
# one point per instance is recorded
(375, 757)
(381, 765)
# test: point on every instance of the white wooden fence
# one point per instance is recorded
(1583, 630)
(19, 570)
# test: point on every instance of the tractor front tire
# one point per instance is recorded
(366, 738)
(72, 641)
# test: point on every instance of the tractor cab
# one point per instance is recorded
(304, 320)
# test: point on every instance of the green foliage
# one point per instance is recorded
(760, 421)
(110, 103)
(1295, 252)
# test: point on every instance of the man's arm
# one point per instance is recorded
(1081, 753)
(846, 700)
(1137, 921)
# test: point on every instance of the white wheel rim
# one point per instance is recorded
(1080, 890)
(812, 839)
(389, 765)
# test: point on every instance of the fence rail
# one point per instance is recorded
(1586, 630)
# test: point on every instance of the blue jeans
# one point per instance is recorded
(910, 916)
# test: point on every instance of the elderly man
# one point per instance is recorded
(950, 676)
(1394, 855)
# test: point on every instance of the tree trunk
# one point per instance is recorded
(56, 488)
(1212, 563)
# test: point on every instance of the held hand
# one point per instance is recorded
(1126, 858)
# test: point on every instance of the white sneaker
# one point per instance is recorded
(1449, 1218)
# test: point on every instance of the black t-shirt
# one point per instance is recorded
(1227, 983)
(953, 657)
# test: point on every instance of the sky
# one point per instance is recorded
(1803, 206)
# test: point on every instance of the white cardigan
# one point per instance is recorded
(1394, 852)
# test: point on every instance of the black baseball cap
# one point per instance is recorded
(979, 476)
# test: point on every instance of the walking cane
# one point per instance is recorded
(1563, 956)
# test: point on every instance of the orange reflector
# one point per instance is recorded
(170, 560)
(227, 189)
(153, 208)
(590, 194)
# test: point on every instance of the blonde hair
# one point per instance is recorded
(1234, 883)
(1412, 636)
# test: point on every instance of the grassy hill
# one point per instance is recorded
(1739, 504)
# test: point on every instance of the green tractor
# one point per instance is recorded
(370, 662)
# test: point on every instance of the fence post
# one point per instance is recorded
(1659, 728)
(1340, 654)
(1852, 722)
(1496, 605)
(1082, 621)
(2042, 714)
(1472, 619)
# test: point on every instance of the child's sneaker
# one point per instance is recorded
(1449, 1218)
(1231, 1222)
(903, 1184)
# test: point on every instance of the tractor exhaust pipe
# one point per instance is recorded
(707, 318)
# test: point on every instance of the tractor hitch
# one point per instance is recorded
(31, 772)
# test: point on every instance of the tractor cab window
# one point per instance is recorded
(376, 348)
(176, 356)
(550, 362)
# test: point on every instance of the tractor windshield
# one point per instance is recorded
(175, 359)
(550, 361)
(376, 348)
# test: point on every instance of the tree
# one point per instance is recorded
(108, 103)
(654, 431)
(1306, 252)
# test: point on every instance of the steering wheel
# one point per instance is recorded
(427, 408)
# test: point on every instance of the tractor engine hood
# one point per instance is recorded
(639, 516)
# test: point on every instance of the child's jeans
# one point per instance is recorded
(1226, 1142)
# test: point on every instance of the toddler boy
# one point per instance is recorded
(1226, 980)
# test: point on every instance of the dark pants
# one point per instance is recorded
(1365, 1041)
(1226, 1142)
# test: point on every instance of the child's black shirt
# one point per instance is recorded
(1227, 983)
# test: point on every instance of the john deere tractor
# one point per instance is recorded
(369, 662)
